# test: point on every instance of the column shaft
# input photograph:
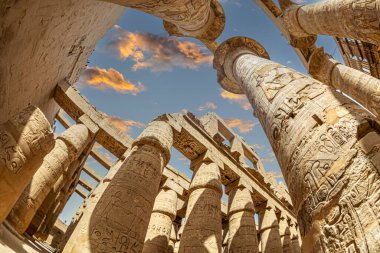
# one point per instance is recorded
(296, 242)
(203, 228)
(341, 18)
(362, 87)
(120, 219)
(242, 236)
(285, 235)
(269, 231)
(161, 222)
(24, 140)
(67, 148)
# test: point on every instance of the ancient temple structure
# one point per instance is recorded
(323, 129)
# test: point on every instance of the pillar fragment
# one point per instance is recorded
(24, 140)
(325, 144)
(269, 230)
(295, 238)
(242, 235)
(362, 87)
(67, 148)
(340, 18)
(125, 206)
(161, 222)
(203, 228)
(285, 235)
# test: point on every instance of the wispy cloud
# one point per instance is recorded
(269, 158)
(241, 125)
(157, 53)
(258, 146)
(124, 125)
(108, 78)
(208, 105)
(236, 98)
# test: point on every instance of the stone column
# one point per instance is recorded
(269, 230)
(364, 88)
(340, 18)
(296, 240)
(242, 236)
(124, 208)
(172, 239)
(203, 228)
(285, 235)
(198, 19)
(67, 148)
(24, 140)
(80, 226)
(325, 144)
(161, 222)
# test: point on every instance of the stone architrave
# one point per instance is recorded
(125, 206)
(296, 242)
(242, 235)
(161, 222)
(325, 144)
(362, 87)
(285, 235)
(269, 230)
(68, 146)
(203, 19)
(24, 140)
(203, 228)
(340, 18)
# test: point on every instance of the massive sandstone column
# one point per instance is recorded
(24, 140)
(325, 145)
(356, 19)
(161, 222)
(120, 219)
(269, 230)
(242, 235)
(296, 240)
(203, 229)
(202, 19)
(285, 234)
(362, 87)
(68, 146)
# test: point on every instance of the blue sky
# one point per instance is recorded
(154, 86)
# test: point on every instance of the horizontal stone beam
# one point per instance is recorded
(101, 158)
(80, 192)
(85, 184)
(63, 119)
(92, 173)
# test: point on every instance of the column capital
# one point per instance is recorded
(225, 56)
(158, 134)
(209, 32)
(321, 65)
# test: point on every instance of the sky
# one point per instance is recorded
(138, 72)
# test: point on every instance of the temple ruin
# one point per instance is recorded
(323, 128)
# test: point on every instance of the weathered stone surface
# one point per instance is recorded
(314, 133)
(199, 19)
(137, 182)
(341, 18)
(362, 87)
(24, 140)
(242, 235)
(285, 235)
(161, 222)
(203, 228)
(296, 240)
(269, 230)
(67, 148)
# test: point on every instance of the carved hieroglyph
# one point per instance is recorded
(24, 140)
(324, 143)
(203, 229)
(356, 19)
(269, 230)
(120, 219)
(242, 235)
(67, 148)
(161, 222)
(202, 19)
(360, 86)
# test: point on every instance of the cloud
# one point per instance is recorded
(124, 125)
(236, 98)
(270, 157)
(242, 126)
(108, 78)
(157, 53)
(258, 146)
(208, 105)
